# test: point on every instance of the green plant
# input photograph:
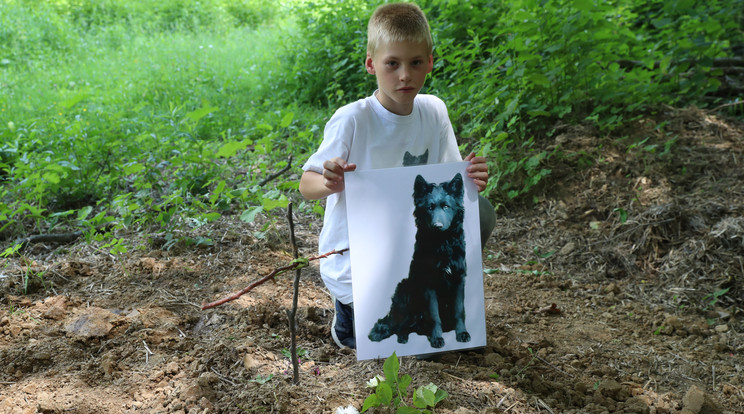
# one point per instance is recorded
(30, 275)
(392, 391)
(529, 363)
(260, 379)
(713, 298)
(301, 352)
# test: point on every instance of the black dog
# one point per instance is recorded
(431, 299)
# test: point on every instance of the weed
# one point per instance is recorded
(529, 363)
(260, 379)
(301, 352)
(713, 298)
(392, 391)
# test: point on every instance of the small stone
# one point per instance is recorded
(722, 328)
(567, 249)
(696, 401)
(250, 363)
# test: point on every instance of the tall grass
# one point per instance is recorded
(107, 115)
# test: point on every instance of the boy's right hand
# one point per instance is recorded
(333, 173)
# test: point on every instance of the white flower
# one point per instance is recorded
(347, 410)
(375, 381)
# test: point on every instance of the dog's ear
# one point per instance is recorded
(419, 186)
(456, 185)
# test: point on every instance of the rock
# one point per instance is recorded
(567, 249)
(493, 360)
(95, 322)
(722, 328)
(613, 389)
(171, 368)
(250, 363)
(56, 308)
(696, 401)
(636, 405)
(206, 379)
(45, 403)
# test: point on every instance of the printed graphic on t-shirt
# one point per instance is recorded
(409, 159)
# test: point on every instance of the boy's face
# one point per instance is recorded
(401, 69)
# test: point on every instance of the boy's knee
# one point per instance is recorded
(487, 219)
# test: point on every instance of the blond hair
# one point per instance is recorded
(398, 22)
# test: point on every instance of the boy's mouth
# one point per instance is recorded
(406, 89)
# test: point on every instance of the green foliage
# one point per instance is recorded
(140, 115)
(324, 70)
(510, 70)
(392, 391)
(126, 117)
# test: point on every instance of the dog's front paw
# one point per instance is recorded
(463, 336)
(402, 338)
(379, 332)
(436, 342)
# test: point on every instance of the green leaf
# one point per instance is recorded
(584, 5)
(269, 204)
(51, 178)
(200, 113)
(84, 212)
(286, 120)
(390, 368)
(403, 383)
(132, 167)
(231, 148)
(249, 216)
(424, 396)
(384, 393)
(69, 103)
(371, 401)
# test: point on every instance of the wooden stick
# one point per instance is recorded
(294, 265)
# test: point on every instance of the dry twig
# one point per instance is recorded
(295, 264)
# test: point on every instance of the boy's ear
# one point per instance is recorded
(431, 63)
(369, 64)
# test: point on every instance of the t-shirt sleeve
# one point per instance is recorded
(448, 142)
(337, 138)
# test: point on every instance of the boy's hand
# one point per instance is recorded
(333, 173)
(478, 170)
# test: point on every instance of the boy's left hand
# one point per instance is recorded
(478, 170)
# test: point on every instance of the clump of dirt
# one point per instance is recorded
(620, 291)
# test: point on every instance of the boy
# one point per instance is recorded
(392, 128)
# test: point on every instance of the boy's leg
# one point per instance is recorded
(342, 328)
(487, 219)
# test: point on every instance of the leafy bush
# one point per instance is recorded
(510, 70)
(327, 56)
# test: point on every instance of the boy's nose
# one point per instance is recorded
(405, 75)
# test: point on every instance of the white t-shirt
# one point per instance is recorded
(370, 136)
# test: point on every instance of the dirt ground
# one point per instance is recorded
(619, 290)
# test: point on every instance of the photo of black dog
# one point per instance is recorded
(430, 300)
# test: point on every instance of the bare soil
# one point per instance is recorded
(618, 290)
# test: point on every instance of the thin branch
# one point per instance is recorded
(718, 108)
(295, 295)
(294, 265)
(58, 237)
(276, 174)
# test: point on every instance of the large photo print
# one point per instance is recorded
(416, 260)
